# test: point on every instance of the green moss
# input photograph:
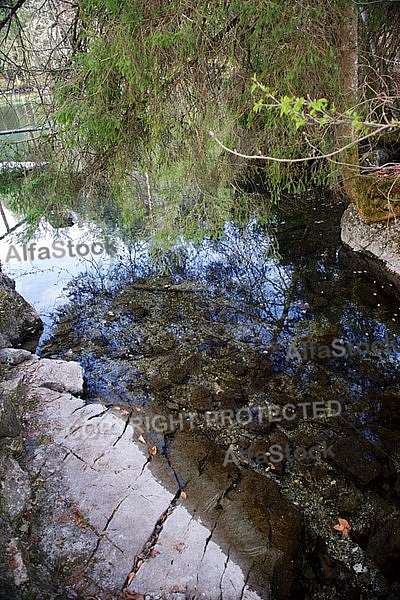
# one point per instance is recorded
(377, 196)
(7, 308)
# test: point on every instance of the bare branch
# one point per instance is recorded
(305, 158)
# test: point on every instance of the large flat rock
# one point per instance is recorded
(377, 241)
(106, 476)
(114, 513)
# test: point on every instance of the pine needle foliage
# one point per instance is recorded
(149, 79)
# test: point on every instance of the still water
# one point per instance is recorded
(233, 325)
(19, 111)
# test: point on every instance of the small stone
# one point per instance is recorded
(58, 375)
(13, 356)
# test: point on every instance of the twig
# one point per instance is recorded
(305, 158)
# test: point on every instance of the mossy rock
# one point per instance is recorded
(20, 324)
(377, 194)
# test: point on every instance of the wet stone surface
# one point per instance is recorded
(99, 513)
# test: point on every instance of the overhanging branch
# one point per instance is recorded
(304, 158)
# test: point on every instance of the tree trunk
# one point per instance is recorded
(349, 68)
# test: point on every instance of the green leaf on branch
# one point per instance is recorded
(258, 106)
(298, 105)
(286, 105)
(324, 121)
(300, 122)
(317, 107)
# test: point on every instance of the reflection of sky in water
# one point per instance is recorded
(240, 267)
(240, 286)
(41, 282)
(359, 327)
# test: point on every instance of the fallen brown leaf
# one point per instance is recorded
(218, 389)
(153, 451)
(343, 526)
(183, 495)
(79, 519)
(154, 552)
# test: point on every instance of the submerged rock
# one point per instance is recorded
(93, 509)
(384, 547)
(356, 458)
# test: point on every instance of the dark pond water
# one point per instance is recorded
(281, 349)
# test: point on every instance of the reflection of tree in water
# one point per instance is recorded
(165, 330)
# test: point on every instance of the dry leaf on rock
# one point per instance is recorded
(79, 519)
(343, 526)
(218, 389)
(153, 451)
